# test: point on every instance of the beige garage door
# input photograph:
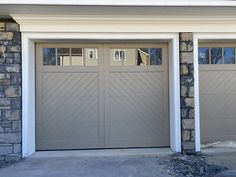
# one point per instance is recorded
(217, 92)
(101, 96)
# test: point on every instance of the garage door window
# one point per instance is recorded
(136, 56)
(216, 55)
(70, 56)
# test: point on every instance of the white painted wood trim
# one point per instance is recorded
(28, 97)
(28, 77)
(126, 2)
(125, 23)
(174, 95)
(197, 37)
(196, 96)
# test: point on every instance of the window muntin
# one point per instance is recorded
(216, 55)
(136, 56)
(70, 56)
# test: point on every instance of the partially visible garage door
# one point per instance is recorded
(217, 92)
(101, 96)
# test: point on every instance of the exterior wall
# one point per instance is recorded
(187, 92)
(10, 91)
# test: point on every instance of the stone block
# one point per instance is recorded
(186, 57)
(188, 124)
(5, 82)
(184, 113)
(191, 91)
(8, 60)
(188, 145)
(190, 69)
(16, 103)
(2, 76)
(13, 91)
(2, 94)
(183, 47)
(15, 48)
(8, 76)
(15, 78)
(192, 135)
(5, 103)
(10, 138)
(2, 67)
(2, 26)
(187, 80)
(6, 149)
(8, 130)
(12, 27)
(191, 113)
(2, 158)
(6, 36)
(16, 38)
(190, 46)
(12, 115)
(184, 90)
(184, 69)
(186, 135)
(9, 55)
(17, 148)
(13, 68)
(17, 58)
(186, 36)
(6, 124)
(189, 102)
(16, 126)
(1, 129)
(12, 157)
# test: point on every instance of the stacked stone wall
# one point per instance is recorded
(187, 92)
(10, 91)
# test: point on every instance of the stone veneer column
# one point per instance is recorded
(10, 91)
(187, 92)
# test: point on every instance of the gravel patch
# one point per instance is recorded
(180, 165)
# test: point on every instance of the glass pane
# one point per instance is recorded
(63, 57)
(77, 58)
(203, 55)
(216, 55)
(136, 56)
(229, 55)
(155, 56)
(91, 57)
(49, 56)
(119, 56)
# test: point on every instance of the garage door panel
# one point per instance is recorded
(217, 92)
(135, 100)
(135, 84)
(218, 82)
(101, 106)
(74, 83)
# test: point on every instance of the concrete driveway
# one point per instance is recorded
(103, 163)
(223, 157)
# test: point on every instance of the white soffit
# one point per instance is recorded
(125, 2)
(124, 23)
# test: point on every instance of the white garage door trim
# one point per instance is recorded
(28, 79)
(196, 38)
